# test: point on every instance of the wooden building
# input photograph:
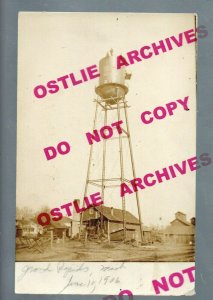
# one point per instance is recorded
(28, 228)
(113, 223)
(62, 226)
(180, 231)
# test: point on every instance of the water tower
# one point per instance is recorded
(111, 93)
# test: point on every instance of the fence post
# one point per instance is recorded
(63, 237)
(51, 239)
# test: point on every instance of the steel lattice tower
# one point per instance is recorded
(111, 93)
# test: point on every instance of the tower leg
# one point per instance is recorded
(103, 167)
(133, 170)
(88, 170)
(122, 172)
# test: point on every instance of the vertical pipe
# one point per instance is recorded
(88, 169)
(122, 172)
(133, 168)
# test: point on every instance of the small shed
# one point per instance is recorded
(64, 225)
(118, 235)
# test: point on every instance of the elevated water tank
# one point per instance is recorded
(111, 80)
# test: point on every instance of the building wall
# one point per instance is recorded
(119, 235)
(180, 228)
(179, 239)
(30, 230)
(116, 226)
(147, 237)
(177, 225)
(179, 233)
(58, 232)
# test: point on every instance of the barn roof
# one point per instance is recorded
(182, 221)
(116, 216)
(180, 212)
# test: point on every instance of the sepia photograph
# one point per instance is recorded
(106, 138)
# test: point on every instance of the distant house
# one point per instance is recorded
(27, 228)
(180, 231)
(113, 223)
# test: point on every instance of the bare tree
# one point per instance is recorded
(24, 212)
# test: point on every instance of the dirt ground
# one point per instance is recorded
(92, 251)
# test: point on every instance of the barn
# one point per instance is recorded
(112, 223)
(180, 231)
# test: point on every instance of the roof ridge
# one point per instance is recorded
(184, 222)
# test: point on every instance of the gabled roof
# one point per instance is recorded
(180, 212)
(117, 215)
(184, 222)
(63, 223)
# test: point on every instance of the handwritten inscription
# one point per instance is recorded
(110, 268)
(27, 270)
(65, 270)
(72, 275)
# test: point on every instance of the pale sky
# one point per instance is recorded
(51, 45)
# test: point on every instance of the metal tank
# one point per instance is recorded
(111, 80)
